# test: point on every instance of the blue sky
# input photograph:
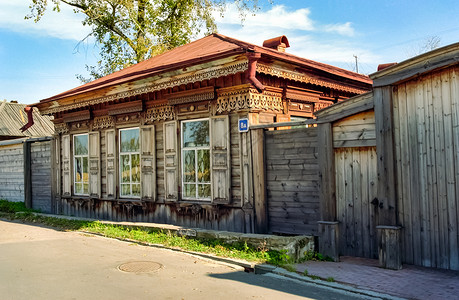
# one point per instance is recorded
(40, 60)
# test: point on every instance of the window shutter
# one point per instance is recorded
(110, 145)
(220, 159)
(170, 161)
(94, 164)
(66, 173)
(148, 163)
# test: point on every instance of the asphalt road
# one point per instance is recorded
(43, 263)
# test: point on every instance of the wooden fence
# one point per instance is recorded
(292, 181)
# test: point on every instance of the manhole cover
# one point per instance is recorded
(140, 266)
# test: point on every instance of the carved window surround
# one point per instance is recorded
(159, 113)
(61, 128)
(159, 82)
(103, 122)
(245, 97)
(297, 76)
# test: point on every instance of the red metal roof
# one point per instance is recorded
(208, 48)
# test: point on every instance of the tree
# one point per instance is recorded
(130, 31)
(427, 44)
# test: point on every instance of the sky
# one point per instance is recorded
(40, 60)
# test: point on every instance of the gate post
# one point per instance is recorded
(329, 239)
(390, 256)
(328, 226)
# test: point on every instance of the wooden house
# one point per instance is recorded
(159, 141)
(25, 157)
(389, 169)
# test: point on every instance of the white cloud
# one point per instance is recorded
(278, 16)
(334, 44)
(63, 25)
(342, 29)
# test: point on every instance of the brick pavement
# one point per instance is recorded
(412, 282)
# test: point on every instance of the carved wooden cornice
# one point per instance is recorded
(196, 95)
(160, 113)
(245, 97)
(161, 82)
(297, 76)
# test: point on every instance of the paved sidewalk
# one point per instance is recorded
(411, 282)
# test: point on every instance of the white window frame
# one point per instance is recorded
(182, 149)
(82, 156)
(130, 163)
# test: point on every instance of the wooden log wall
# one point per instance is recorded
(292, 181)
(426, 138)
(229, 217)
(41, 176)
(12, 173)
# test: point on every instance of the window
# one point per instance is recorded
(81, 164)
(129, 162)
(196, 183)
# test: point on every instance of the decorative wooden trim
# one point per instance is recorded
(297, 76)
(125, 108)
(103, 122)
(61, 128)
(77, 116)
(159, 83)
(302, 96)
(203, 94)
(160, 113)
(246, 97)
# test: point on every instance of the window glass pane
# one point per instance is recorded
(135, 167)
(189, 190)
(130, 141)
(204, 190)
(78, 169)
(78, 188)
(80, 144)
(196, 134)
(85, 188)
(204, 165)
(136, 190)
(189, 172)
(125, 189)
(85, 169)
(125, 168)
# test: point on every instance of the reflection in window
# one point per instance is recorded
(129, 162)
(196, 159)
(81, 164)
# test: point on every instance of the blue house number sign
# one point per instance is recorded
(243, 125)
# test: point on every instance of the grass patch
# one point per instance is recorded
(13, 211)
(330, 279)
(13, 207)
(316, 256)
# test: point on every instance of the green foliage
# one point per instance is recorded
(12, 207)
(305, 272)
(330, 279)
(130, 31)
(316, 256)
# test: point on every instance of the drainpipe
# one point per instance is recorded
(253, 57)
(29, 111)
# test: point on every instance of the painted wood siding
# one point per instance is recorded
(426, 138)
(41, 176)
(12, 173)
(292, 180)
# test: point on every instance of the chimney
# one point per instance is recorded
(278, 43)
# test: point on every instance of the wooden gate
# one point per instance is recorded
(357, 206)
